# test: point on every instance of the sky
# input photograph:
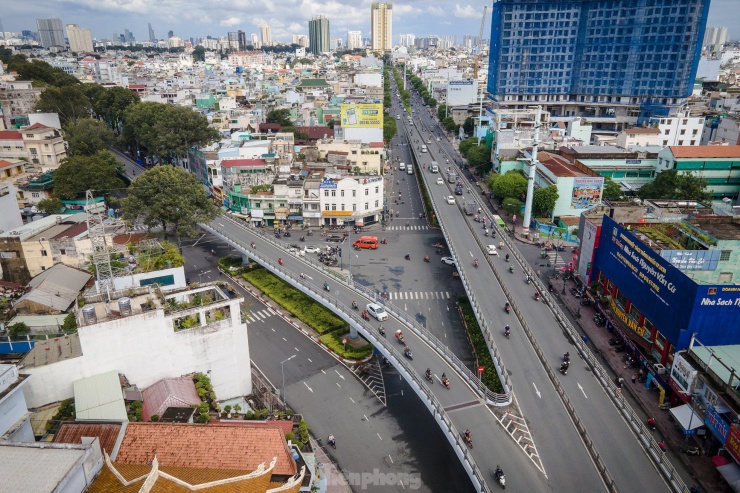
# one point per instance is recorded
(194, 18)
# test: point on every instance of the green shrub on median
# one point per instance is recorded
(480, 347)
(334, 342)
(313, 314)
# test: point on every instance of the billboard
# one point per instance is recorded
(361, 115)
(693, 259)
(717, 424)
(462, 92)
(715, 314)
(660, 291)
(586, 192)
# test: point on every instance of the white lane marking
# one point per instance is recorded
(286, 340)
(309, 360)
(309, 388)
(536, 391)
(296, 349)
(340, 375)
(582, 391)
(379, 436)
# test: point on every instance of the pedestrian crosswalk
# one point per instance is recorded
(419, 295)
(406, 228)
(260, 315)
(554, 258)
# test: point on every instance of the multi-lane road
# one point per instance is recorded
(551, 427)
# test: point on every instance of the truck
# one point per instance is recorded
(451, 177)
(470, 208)
(434, 167)
(423, 148)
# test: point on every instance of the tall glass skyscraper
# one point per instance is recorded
(318, 35)
(610, 52)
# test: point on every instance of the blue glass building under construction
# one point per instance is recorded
(616, 62)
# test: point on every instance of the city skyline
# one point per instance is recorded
(193, 19)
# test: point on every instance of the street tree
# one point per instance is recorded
(79, 173)
(170, 197)
(389, 129)
(479, 155)
(110, 104)
(70, 102)
(509, 185)
(164, 130)
(543, 200)
(671, 184)
(469, 125)
(199, 54)
(611, 190)
(41, 73)
(50, 206)
(87, 137)
(280, 116)
(449, 124)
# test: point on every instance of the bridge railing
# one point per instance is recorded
(388, 350)
(614, 392)
(491, 397)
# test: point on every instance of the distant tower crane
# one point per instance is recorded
(480, 43)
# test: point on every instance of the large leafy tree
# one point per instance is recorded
(510, 185)
(478, 155)
(543, 200)
(41, 73)
(389, 129)
(50, 206)
(199, 54)
(671, 184)
(70, 102)
(87, 136)
(611, 190)
(79, 173)
(469, 125)
(168, 196)
(110, 104)
(166, 131)
(280, 116)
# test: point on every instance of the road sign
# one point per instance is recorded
(481, 369)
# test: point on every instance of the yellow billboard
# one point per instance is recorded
(362, 115)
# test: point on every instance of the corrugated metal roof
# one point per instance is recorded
(107, 433)
(32, 468)
(166, 393)
(39, 320)
(100, 397)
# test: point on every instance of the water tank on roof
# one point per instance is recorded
(124, 306)
(88, 314)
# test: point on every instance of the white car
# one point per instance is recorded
(311, 249)
(377, 311)
(296, 251)
(448, 260)
(450, 199)
(440, 181)
(491, 250)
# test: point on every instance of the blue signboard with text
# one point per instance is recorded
(717, 424)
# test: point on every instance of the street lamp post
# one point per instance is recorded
(200, 274)
(282, 371)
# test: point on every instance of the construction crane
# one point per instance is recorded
(480, 43)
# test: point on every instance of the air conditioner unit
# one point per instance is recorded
(659, 369)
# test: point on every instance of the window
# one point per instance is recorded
(376, 203)
(354, 193)
(333, 193)
(725, 277)
(367, 206)
(35, 195)
(46, 146)
(341, 207)
(326, 193)
(334, 207)
(326, 207)
(341, 193)
(44, 253)
(367, 192)
(62, 251)
(354, 207)
(666, 131)
(725, 255)
(30, 136)
(33, 151)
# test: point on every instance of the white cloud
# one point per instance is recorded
(231, 21)
(468, 11)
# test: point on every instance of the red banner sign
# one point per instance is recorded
(733, 442)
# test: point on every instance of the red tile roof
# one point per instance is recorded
(558, 165)
(376, 144)
(107, 433)
(642, 131)
(705, 151)
(36, 126)
(5, 164)
(10, 135)
(316, 133)
(169, 392)
(231, 163)
(212, 446)
(264, 127)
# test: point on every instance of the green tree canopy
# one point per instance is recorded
(469, 125)
(166, 131)
(41, 73)
(70, 102)
(87, 137)
(449, 124)
(18, 329)
(280, 116)
(611, 190)
(512, 184)
(389, 129)
(110, 104)
(543, 200)
(79, 173)
(50, 206)
(671, 184)
(166, 195)
(199, 54)
(478, 155)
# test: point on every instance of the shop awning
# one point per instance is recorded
(731, 473)
(686, 417)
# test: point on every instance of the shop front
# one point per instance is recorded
(337, 218)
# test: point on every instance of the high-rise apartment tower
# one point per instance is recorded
(80, 40)
(381, 25)
(51, 32)
(266, 35)
(318, 35)
(616, 63)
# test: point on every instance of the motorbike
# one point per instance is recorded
(287, 234)
(399, 338)
(381, 330)
(407, 256)
(332, 441)
(383, 241)
(566, 358)
(326, 287)
(537, 296)
(587, 302)
(614, 341)
(486, 233)
(507, 307)
(564, 368)
(354, 305)
(528, 280)
(475, 262)
(302, 238)
(426, 259)
(438, 251)
(691, 450)
(511, 269)
(429, 377)
(499, 474)
(468, 441)
(507, 332)
(280, 261)
(550, 288)
(446, 383)
(650, 423)
(407, 353)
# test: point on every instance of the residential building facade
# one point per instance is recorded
(318, 35)
(719, 165)
(51, 32)
(44, 146)
(80, 40)
(354, 40)
(381, 25)
(613, 62)
(680, 130)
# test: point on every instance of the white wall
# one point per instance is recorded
(370, 80)
(11, 218)
(366, 135)
(461, 92)
(146, 348)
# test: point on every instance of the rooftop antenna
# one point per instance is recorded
(96, 229)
